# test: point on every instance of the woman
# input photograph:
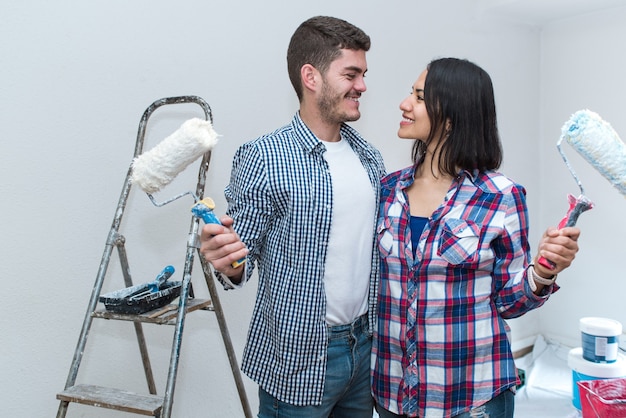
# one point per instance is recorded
(455, 258)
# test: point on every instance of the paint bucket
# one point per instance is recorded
(583, 370)
(600, 339)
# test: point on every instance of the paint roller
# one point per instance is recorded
(155, 169)
(598, 143)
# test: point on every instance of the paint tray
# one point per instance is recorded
(603, 398)
(141, 298)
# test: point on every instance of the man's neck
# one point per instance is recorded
(325, 131)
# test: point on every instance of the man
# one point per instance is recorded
(304, 200)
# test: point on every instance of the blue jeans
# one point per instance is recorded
(347, 392)
(501, 406)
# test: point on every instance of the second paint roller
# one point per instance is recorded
(598, 143)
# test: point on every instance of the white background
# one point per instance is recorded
(77, 76)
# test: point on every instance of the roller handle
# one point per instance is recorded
(204, 210)
(161, 278)
(577, 205)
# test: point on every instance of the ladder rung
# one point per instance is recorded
(110, 398)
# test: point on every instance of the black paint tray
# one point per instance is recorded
(141, 298)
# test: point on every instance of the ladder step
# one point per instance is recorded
(110, 398)
(165, 315)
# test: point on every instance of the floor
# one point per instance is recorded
(547, 391)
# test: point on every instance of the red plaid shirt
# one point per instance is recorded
(441, 347)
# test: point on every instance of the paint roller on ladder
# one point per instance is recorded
(598, 143)
(157, 168)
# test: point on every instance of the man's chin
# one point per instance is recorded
(353, 117)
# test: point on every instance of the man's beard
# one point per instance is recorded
(328, 104)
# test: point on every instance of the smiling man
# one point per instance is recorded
(302, 207)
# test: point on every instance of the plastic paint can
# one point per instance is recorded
(587, 370)
(600, 339)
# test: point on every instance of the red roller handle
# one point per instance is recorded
(577, 205)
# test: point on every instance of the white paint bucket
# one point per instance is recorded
(583, 370)
(600, 338)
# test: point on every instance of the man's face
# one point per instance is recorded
(342, 87)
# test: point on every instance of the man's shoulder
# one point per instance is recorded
(277, 134)
(268, 141)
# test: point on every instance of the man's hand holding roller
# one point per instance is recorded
(221, 246)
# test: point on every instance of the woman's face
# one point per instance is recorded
(415, 123)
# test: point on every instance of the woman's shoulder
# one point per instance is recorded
(497, 182)
(391, 179)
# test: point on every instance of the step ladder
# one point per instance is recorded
(150, 404)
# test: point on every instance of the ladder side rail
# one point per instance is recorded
(141, 339)
(95, 293)
(180, 324)
(93, 302)
(221, 319)
(102, 269)
(230, 351)
(189, 257)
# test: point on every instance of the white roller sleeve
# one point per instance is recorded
(599, 144)
(156, 168)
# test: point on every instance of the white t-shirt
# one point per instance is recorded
(348, 261)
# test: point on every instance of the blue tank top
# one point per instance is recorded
(417, 227)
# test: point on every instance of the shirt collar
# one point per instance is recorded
(305, 136)
(408, 174)
(311, 142)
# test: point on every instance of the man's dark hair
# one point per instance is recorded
(318, 41)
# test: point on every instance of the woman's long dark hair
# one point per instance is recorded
(459, 92)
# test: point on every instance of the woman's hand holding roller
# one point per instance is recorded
(559, 246)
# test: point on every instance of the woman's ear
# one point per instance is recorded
(448, 127)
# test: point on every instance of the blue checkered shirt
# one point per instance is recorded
(280, 197)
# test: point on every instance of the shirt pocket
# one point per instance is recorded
(387, 243)
(459, 241)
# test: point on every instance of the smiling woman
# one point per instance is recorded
(455, 257)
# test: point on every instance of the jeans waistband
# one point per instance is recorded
(358, 325)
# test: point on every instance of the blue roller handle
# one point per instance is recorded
(204, 210)
(161, 278)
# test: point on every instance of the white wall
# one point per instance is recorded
(582, 67)
(76, 78)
